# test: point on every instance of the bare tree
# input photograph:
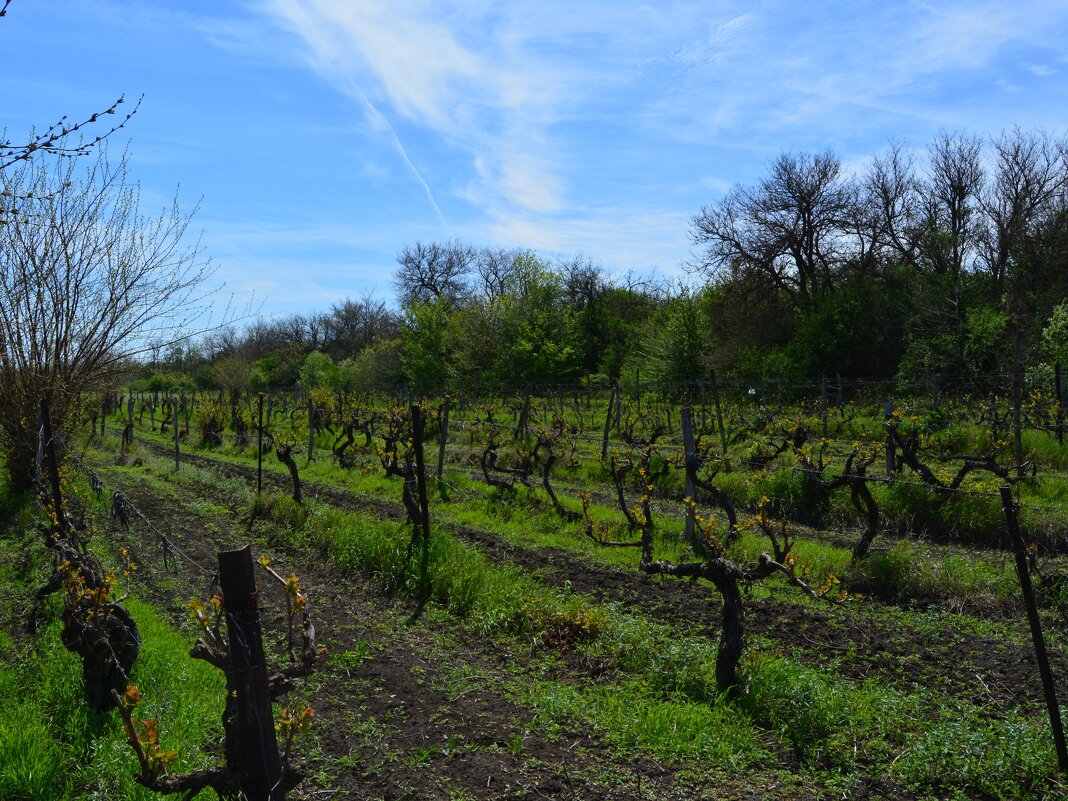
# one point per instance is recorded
(87, 283)
(1029, 182)
(585, 281)
(789, 227)
(434, 271)
(891, 189)
(352, 325)
(951, 193)
(56, 138)
(494, 267)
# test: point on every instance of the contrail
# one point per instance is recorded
(380, 117)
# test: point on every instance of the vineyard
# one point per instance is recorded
(498, 595)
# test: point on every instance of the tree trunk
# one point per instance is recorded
(732, 635)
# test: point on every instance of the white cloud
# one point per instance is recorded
(409, 60)
(1040, 70)
(545, 103)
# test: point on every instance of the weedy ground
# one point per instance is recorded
(544, 665)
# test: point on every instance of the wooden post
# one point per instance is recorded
(1017, 403)
(838, 380)
(53, 466)
(690, 460)
(424, 509)
(1050, 691)
(638, 388)
(704, 415)
(443, 437)
(888, 410)
(104, 406)
(521, 425)
(127, 432)
(259, 446)
(311, 427)
(719, 415)
(823, 404)
(255, 752)
(177, 452)
(608, 421)
(1058, 378)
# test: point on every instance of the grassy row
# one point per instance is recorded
(52, 746)
(662, 693)
(901, 570)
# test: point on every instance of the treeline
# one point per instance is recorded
(941, 261)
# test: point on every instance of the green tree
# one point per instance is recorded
(317, 371)
(1055, 335)
(539, 337)
(677, 345)
(425, 338)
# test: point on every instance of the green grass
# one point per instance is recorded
(636, 721)
(660, 697)
(967, 752)
(52, 746)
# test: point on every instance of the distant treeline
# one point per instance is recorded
(940, 261)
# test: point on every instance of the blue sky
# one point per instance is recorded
(321, 136)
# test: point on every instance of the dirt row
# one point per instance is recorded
(406, 711)
(942, 658)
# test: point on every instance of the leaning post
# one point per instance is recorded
(1019, 551)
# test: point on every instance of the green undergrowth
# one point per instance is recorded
(658, 694)
(633, 719)
(903, 572)
(906, 573)
(52, 746)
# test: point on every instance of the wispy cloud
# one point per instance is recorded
(533, 120)
(411, 60)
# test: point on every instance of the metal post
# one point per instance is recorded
(888, 411)
(719, 416)
(1058, 375)
(1050, 691)
(608, 422)
(1017, 403)
(443, 437)
(823, 404)
(638, 388)
(53, 466)
(259, 447)
(311, 427)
